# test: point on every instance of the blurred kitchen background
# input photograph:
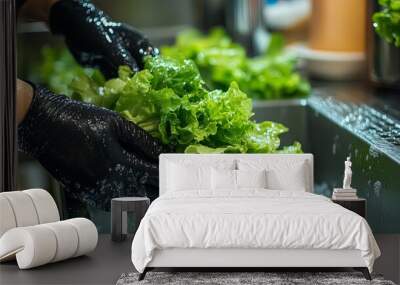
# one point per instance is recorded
(353, 107)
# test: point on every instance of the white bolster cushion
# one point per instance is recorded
(26, 208)
(45, 205)
(7, 219)
(32, 246)
(23, 209)
(40, 244)
(87, 235)
(66, 238)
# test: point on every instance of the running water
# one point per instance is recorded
(381, 131)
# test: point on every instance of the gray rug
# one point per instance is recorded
(243, 278)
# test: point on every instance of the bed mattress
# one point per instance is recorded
(250, 219)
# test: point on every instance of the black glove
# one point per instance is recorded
(96, 40)
(93, 152)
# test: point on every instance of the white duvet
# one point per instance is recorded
(250, 219)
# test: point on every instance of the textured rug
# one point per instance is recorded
(244, 278)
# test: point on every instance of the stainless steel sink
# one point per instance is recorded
(332, 129)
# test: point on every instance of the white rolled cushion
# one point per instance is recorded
(67, 240)
(182, 177)
(45, 205)
(251, 178)
(40, 244)
(33, 245)
(224, 179)
(87, 235)
(7, 218)
(23, 208)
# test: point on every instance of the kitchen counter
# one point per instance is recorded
(103, 266)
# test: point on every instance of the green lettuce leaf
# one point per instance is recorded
(170, 100)
(220, 61)
(387, 21)
(59, 69)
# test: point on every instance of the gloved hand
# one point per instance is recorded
(96, 40)
(93, 152)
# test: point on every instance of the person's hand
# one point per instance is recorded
(93, 152)
(96, 40)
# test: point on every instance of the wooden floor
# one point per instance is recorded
(110, 260)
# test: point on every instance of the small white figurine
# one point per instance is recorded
(347, 174)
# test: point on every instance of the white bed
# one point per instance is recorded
(251, 226)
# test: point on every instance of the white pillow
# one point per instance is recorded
(251, 179)
(293, 179)
(223, 179)
(186, 177)
(282, 174)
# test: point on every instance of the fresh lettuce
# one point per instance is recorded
(221, 61)
(170, 100)
(387, 21)
(59, 68)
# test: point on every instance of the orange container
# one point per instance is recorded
(338, 25)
